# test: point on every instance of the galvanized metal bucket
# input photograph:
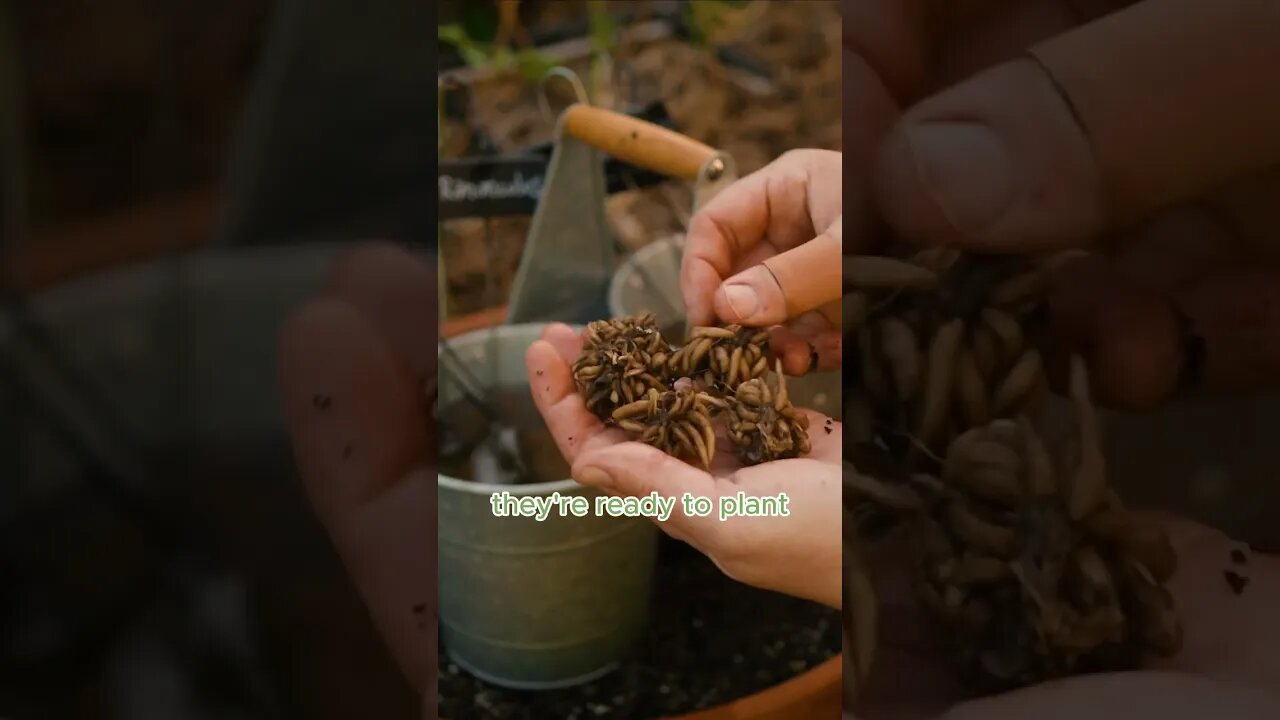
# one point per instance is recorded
(525, 603)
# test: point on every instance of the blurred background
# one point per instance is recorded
(753, 79)
(176, 177)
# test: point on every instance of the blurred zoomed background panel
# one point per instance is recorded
(177, 176)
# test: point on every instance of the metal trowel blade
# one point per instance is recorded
(568, 256)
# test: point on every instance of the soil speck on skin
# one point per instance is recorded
(539, 373)
(828, 429)
(322, 402)
(1238, 557)
(698, 614)
(1236, 581)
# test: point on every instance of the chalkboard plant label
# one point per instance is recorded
(510, 185)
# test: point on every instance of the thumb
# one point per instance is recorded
(633, 469)
(1100, 127)
(804, 278)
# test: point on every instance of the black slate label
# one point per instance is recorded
(502, 185)
(490, 187)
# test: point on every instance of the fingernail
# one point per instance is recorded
(743, 300)
(595, 477)
(965, 168)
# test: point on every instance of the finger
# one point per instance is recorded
(1221, 333)
(1130, 335)
(807, 343)
(889, 38)
(1237, 317)
(1207, 100)
(830, 347)
(567, 341)
(396, 291)
(1177, 247)
(824, 437)
(795, 351)
(774, 205)
(1095, 134)
(574, 428)
(1225, 635)
(804, 278)
(635, 470)
(357, 417)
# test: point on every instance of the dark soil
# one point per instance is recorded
(712, 640)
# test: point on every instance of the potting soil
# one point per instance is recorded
(711, 640)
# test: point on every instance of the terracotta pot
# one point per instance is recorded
(65, 251)
(812, 694)
(463, 324)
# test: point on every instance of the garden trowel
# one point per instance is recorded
(569, 255)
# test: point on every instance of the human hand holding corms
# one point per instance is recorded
(353, 362)
(765, 252)
(799, 554)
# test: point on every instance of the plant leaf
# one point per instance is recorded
(453, 34)
(474, 56)
(533, 65)
(502, 59)
(604, 28)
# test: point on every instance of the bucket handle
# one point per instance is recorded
(643, 144)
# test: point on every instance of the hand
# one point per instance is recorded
(352, 366)
(766, 251)
(1229, 666)
(799, 555)
(1104, 137)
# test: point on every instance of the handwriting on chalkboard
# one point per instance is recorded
(455, 189)
(508, 185)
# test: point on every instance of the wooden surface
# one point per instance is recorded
(637, 142)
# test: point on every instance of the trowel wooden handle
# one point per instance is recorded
(637, 142)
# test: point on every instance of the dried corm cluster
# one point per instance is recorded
(1021, 551)
(938, 344)
(628, 375)
(678, 422)
(622, 360)
(763, 425)
(727, 356)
